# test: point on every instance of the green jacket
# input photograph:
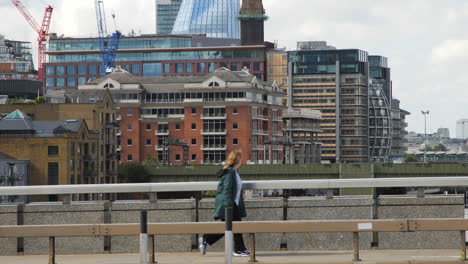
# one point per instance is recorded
(226, 194)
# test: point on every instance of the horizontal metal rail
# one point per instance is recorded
(461, 181)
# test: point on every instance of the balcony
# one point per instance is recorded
(258, 147)
(257, 116)
(213, 147)
(213, 116)
(119, 133)
(159, 147)
(119, 148)
(213, 132)
(277, 119)
(162, 132)
(277, 133)
(257, 131)
(119, 118)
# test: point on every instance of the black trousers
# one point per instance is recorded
(238, 240)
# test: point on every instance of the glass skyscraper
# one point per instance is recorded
(215, 18)
(166, 14)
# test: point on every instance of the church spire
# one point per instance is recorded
(252, 17)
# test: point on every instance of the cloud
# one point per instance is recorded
(450, 52)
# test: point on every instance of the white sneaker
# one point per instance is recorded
(202, 245)
(244, 253)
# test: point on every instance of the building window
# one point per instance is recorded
(194, 156)
(177, 126)
(60, 70)
(194, 141)
(246, 64)
(152, 69)
(136, 68)
(71, 70)
(71, 82)
(129, 142)
(92, 70)
(234, 126)
(285, 57)
(194, 126)
(60, 82)
(177, 157)
(180, 67)
(129, 127)
(189, 67)
(81, 80)
(233, 66)
(194, 111)
(81, 69)
(201, 67)
(50, 70)
(148, 142)
(129, 157)
(256, 66)
(235, 141)
(285, 70)
(53, 150)
(129, 111)
(53, 173)
(148, 126)
(235, 110)
(211, 67)
(50, 82)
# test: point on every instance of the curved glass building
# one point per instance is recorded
(215, 18)
(380, 123)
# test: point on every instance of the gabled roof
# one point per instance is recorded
(16, 120)
(17, 114)
(4, 156)
(120, 76)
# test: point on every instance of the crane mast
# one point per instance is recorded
(107, 46)
(42, 31)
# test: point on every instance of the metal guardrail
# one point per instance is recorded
(247, 185)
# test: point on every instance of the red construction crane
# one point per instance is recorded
(42, 31)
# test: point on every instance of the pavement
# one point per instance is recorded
(313, 257)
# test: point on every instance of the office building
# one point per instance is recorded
(443, 133)
(277, 69)
(195, 119)
(99, 114)
(21, 89)
(462, 128)
(252, 18)
(16, 60)
(336, 83)
(400, 136)
(166, 14)
(214, 18)
(301, 129)
(60, 152)
(75, 61)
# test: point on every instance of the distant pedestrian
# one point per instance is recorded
(229, 194)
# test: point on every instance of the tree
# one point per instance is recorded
(439, 147)
(411, 158)
(39, 100)
(132, 172)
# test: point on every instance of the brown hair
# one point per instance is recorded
(233, 159)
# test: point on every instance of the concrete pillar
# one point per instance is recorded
(8, 216)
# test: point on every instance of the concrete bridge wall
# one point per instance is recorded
(302, 208)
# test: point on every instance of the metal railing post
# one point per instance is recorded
(51, 250)
(252, 247)
(152, 250)
(144, 237)
(463, 245)
(228, 237)
(356, 246)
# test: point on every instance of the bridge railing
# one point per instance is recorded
(247, 185)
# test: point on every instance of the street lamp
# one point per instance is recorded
(425, 113)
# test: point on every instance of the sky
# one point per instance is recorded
(425, 41)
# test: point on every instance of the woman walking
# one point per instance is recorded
(229, 194)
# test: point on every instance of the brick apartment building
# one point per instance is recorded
(195, 119)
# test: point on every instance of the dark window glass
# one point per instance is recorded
(50, 70)
(148, 141)
(194, 126)
(234, 66)
(177, 156)
(148, 126)
(71, 82)
(234, 126)
(129, 142)
(53, 173)
(129, 157)
(234, 110)
(60, 82)
(235, 141)
(60, 70)
(177, 126)
(194, 156)
(71, 70)
(92, 70)
(81, 69)
(194, 141)
(256, 66)
(53, 150)
(194, 110)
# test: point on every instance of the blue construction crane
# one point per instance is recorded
(108, 46)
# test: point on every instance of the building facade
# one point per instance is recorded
(214, 18)
(166, 14)
(301, 129)
(98, 111)
(60, 152)
(21, 89)
(462, 128)
(16, 60)
(399, 133)
(73, 62)
(277, 69)
(336, 83)
(13, 172)
(198, 119)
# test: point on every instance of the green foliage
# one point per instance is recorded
(151, 161)
(439, 147)
(132, 172)
(210, 193)
(411, 158)
(39, 100)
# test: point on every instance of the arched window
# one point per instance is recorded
(108, 85)
(214, 84)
